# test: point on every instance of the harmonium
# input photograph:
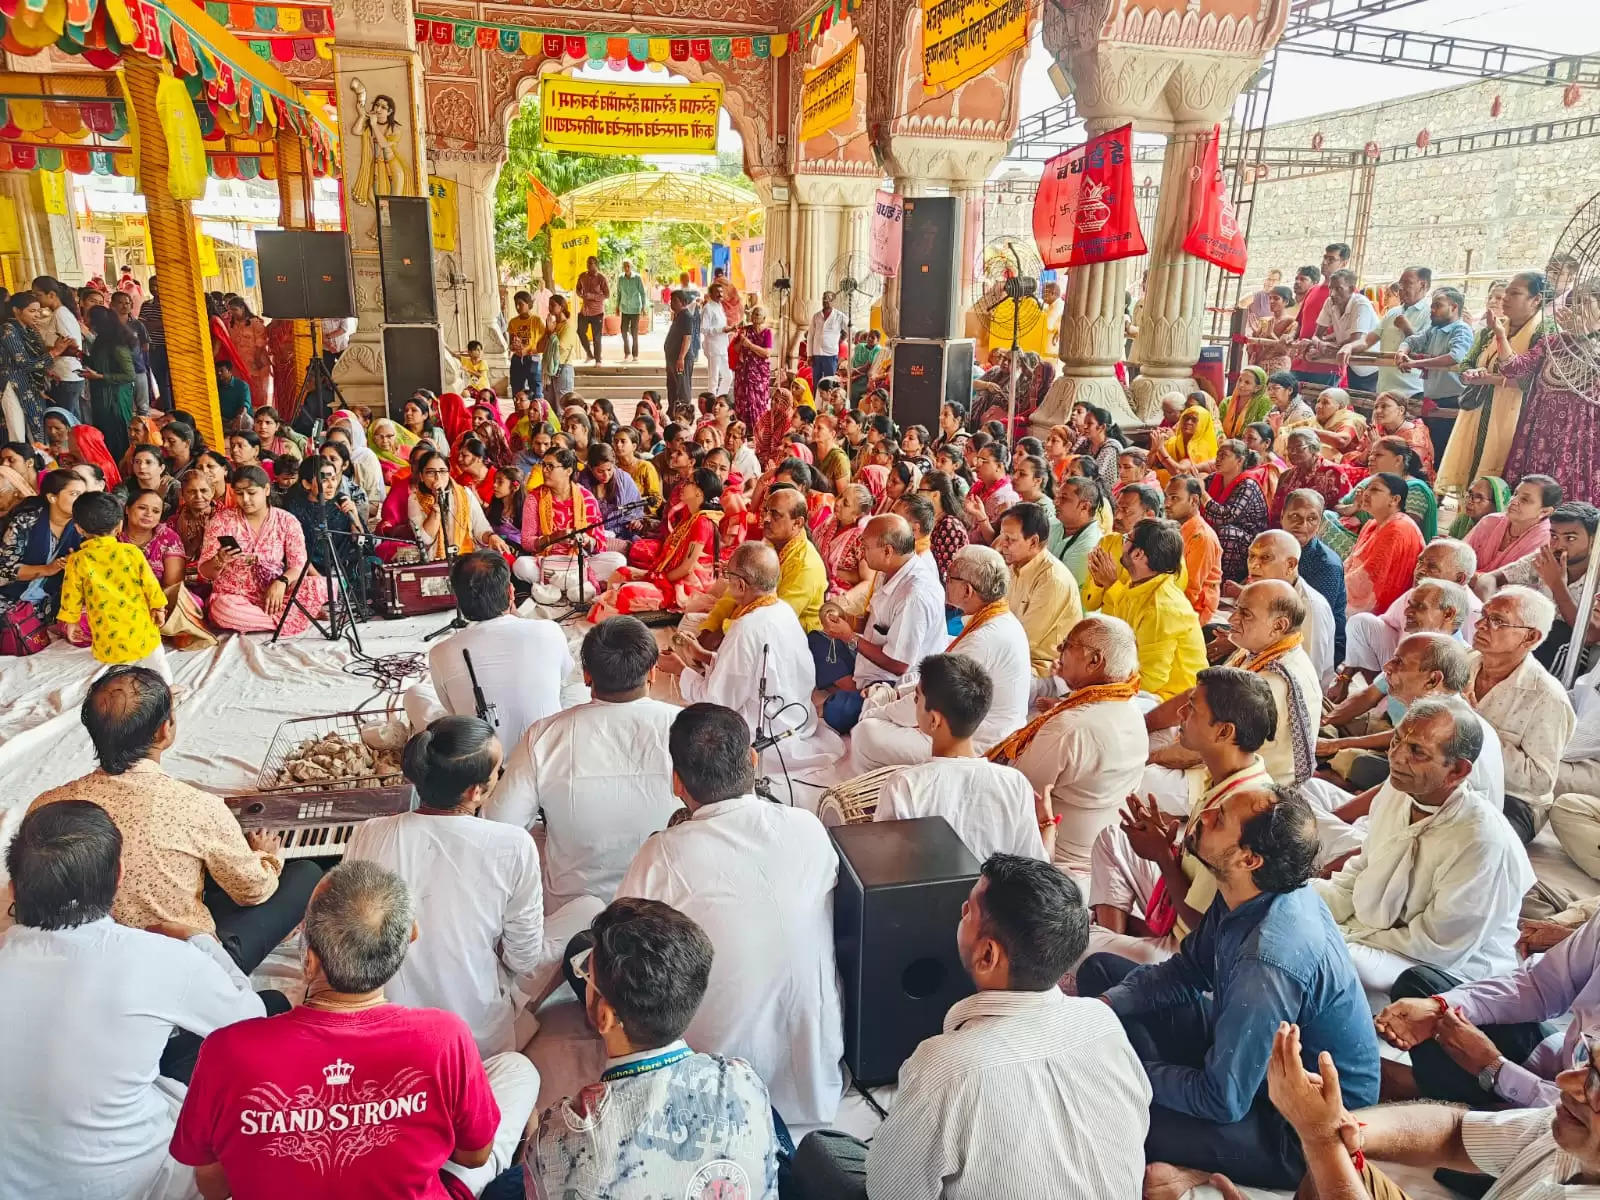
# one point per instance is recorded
(412, 589)
(318, 823)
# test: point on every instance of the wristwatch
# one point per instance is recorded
(1490, 1075)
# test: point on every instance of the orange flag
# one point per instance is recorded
(542, 206)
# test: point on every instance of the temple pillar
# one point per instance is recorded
(1174, 297)
(382, 126)
(827, 205)
(172, 237)
(295, 211)
(469, 284)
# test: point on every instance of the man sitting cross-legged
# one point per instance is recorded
(485, 925)
(1026, 1088)
(1265, 951)
(90, 1009)
(990, 807)
(1441, 876)
(1148, 890)
(992, 637)
(663, 1120)
(405, 1086)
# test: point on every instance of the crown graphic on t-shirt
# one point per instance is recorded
(338, 1072)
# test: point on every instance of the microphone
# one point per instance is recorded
(771, 739)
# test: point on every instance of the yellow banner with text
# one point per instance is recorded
(599, 117)
(829, 93)
(962, 39)
(569, 255)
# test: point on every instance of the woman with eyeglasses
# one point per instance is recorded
(560, 514)
(446, 518)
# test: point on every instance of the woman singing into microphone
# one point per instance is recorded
(446, 518)
(553, 512)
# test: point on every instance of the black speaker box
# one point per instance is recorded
(927, 266)
(305, 274)
(411, 360)
(925, 374)
(895, 912)
(405, 259)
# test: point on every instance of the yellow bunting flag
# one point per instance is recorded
(442, 203)
(962, 39)
(569, 253)
(598, 117)
(53, 185)
(829, 93)
(10, 230)
(186, 150)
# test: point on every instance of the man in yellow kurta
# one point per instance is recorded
(1044, 595)
(1172, 651)
(1136, 502)
(802, 577)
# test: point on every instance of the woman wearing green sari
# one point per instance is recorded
(1341, 527)
(1488, 494)
(1248, 404)
(108, 367)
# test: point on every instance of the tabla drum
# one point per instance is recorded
(855, 801)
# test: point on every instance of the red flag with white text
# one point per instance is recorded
(1084, 209)
(1215, 235)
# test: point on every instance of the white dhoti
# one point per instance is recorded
(1378, 970)
(514, 1080)
(1368, 642)
(878, 741)
(1575, 815)
(423, 706)
(1120, 879)
(560, 572)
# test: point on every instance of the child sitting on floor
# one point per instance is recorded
(112, 582)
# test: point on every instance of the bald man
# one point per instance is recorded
(763, 648)
(903, 624)
(1276, 555)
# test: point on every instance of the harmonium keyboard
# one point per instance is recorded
(318, 824)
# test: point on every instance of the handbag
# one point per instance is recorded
(184, 625)
(22, 631)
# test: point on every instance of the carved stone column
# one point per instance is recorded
(469, 284)
(381, 152)
(1174, 297)
(827, 204)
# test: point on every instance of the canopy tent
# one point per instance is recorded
(662, 196)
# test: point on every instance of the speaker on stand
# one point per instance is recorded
(929, 305)
(306, 275)
(926, 374)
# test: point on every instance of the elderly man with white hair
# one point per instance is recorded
(1084, 754)
(977, 583)
(1371, 637)
(1527, 705)
(1275, 554)
(1441, 878)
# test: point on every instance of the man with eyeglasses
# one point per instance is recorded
(1526, 705)
(1441, 877)
(802, 577)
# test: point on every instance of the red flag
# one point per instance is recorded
(1215, 235)
(1083, 211)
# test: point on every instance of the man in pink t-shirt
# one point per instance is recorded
(348, 1095)
(593, 291)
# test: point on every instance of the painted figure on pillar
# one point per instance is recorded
(383, 170)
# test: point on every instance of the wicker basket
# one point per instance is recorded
(292, 733)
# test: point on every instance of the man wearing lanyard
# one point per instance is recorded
(663, 1120)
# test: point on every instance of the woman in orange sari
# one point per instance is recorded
(1389, 420)
(683, 566)
(1380, 567)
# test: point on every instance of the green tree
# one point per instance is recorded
(560, 171)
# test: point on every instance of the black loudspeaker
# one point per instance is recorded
(927, 266)
(411, 360)
(305, 274)
(895, 912)
(926, 374)
(405, 258)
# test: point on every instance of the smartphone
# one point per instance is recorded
(228, 542)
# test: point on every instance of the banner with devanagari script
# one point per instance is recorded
(964, 38)
(828, 93)
(570, 251)
(1083, 211)
(598, 117)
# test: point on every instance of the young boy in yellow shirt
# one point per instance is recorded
(113, 582)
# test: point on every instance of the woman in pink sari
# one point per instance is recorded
(1381, 566)
(1524, 526)
(839, 543)
(250, 577)
(249, 334)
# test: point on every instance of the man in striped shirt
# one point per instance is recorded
(150, 314)
(1027, 1092)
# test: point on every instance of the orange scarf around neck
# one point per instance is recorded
(1013, 747)
(978, 620)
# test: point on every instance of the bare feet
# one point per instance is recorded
(1163, 1181)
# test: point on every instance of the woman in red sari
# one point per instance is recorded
(1381, 566)
(454, 418)
(89, 447)
(683, 566)
(1389, 420)
(473, 468)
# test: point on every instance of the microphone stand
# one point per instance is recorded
(763, 782)
(341, 608)
(576, 538)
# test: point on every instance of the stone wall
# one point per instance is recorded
(1486, 214)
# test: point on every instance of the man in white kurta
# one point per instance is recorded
(1442, 876)
(990, 806)
(1276, 555)
(764, 649)
(977, 583)
(1086, 753)
(758, 878)
(483, 930)
(599, 773)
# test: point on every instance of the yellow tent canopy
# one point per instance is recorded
(660, 196)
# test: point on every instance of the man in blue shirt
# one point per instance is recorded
(1320, 566)
(1438, 352)
(1266, 951)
